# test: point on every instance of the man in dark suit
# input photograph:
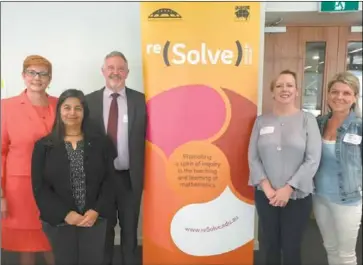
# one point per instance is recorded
(120, 112)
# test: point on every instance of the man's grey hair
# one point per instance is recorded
(116, 54)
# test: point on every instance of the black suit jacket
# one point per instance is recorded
(51, 178)
(137, 119)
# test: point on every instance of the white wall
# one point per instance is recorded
(75, 37)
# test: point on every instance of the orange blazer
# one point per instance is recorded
(20, 128)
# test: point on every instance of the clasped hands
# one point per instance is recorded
(86, 220)
(279, 197)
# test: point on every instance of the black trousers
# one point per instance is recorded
(282, 229)
(74, 245)
(127, 209)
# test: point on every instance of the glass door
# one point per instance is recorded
(313, 81)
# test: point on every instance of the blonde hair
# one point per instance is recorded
(350, 80)
(37, 60)
(285, 72)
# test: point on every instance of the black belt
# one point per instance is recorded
(121, 171)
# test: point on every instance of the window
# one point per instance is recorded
(313, 77)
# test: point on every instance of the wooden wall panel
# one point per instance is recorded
(281, 53)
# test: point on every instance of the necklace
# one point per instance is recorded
(74, 134)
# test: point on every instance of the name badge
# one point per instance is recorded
(125, 119)
(352, 138)
(267, 130)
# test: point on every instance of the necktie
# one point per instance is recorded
(113, 119)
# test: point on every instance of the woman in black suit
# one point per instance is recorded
(72, 183)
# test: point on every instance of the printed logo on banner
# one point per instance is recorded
(178, 53)
(164, 13)
(242, 13)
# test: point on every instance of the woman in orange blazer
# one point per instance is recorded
(24, 119)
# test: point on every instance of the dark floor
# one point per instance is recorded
(313, 252)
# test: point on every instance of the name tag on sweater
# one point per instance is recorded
(267, 130)
(352, 138)
(125, 119)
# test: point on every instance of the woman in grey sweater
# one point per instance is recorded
(284, 155)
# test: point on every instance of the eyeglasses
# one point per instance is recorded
(33, 73)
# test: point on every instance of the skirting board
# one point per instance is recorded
(139, 240)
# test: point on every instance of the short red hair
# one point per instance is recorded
(37, 60)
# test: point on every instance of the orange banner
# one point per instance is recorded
(201, 64)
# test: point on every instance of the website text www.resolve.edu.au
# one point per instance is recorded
(212, 228)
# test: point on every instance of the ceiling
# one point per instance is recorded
(310, 18)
